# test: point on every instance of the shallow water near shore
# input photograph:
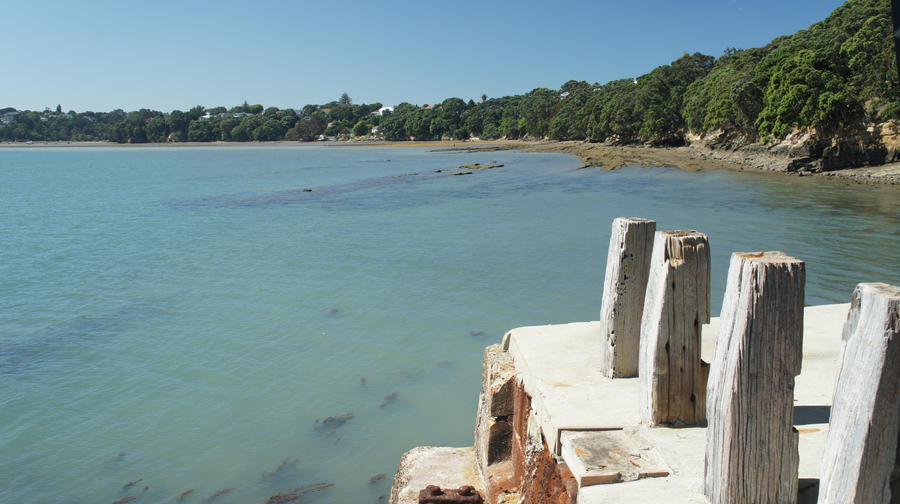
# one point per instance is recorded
(190, 318)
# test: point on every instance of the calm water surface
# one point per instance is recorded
(188, 317)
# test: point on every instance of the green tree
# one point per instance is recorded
(158, 129)
(361, 129)
(537, 108)
(202, 131)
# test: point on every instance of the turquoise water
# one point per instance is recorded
(185, 316)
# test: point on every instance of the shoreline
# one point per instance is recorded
(591, 155)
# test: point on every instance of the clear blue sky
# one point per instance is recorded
(164, 55)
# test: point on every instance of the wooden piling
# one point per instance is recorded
(751, 445)
(862, 451)
(672, 376)
(627, 268)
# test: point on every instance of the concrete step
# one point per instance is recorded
(610, 457)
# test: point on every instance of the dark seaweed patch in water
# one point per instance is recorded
(297, 493)
(334, 421)
(388, 399)
(359, 194)
(330, 425)
(220, 493)
(85, 331)
(286, 463)
(132, 483)
(323, 194)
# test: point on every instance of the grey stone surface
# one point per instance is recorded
(498, 377)
(493, 427)
(432, 465)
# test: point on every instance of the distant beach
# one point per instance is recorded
(592, 155)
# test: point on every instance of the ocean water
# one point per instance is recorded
(190, 318)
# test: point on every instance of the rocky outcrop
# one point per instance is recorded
(804, 151)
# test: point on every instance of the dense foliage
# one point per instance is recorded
(241, 124)
(836, 77)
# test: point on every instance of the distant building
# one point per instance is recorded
(382, 110)
(9, 117)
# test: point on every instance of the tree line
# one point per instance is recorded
(242, 123)
(837, 77)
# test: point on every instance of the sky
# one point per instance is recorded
(165, 55)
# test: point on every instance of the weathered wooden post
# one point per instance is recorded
(627, 268)
(672, 376)
(751, 444)
(862, 450)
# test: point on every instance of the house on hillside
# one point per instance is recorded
(9, 117)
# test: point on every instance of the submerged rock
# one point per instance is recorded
(335, 421)
(220, 493)
(132, 483)
(388, 399)
(285, 463)
(292, 495)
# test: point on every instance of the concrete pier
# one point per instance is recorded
(577, 434)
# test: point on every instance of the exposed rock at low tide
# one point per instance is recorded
(479, 166)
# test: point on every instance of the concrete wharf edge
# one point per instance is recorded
(558, 367)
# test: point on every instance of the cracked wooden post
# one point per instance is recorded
(751, 444)
(627, 268)
(862, 449)
(672, 376)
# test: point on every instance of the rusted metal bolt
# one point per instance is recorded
(466, 490)
(434, 490)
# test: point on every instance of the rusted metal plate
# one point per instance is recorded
(433, 494)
